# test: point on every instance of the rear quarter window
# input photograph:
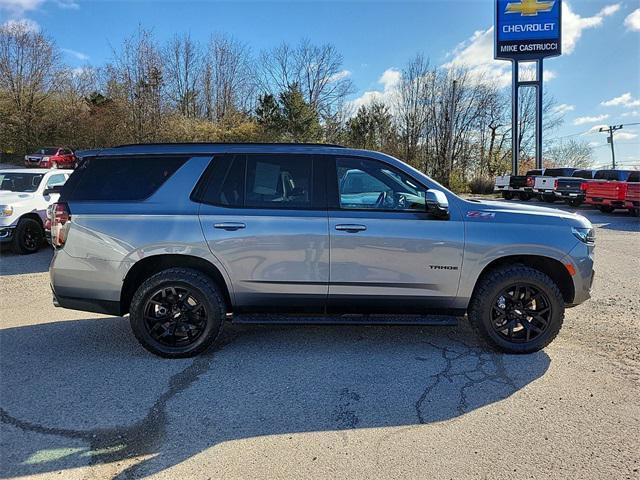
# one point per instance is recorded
(119, 178)
(634, 177)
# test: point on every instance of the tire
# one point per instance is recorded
(507, 195)
(149, 300)
(28, 236)
(548, 198)
(525, 197)
(634, 212)
(486, 300)
(574, 202)
(606, 208)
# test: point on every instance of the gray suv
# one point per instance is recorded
(183, 236)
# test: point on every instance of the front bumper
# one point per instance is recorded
(6, 234)
(581, 257)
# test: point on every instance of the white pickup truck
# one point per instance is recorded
(25, 195)
(546, 184)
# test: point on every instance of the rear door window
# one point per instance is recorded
(120, 178)
(278, 181)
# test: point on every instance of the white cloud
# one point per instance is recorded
(632, 113)
(585, 120)
(76, 54)
(625, 100)
(340, 75)
(624, 136)
(19, 7)
(595, 144)
(596, 129)
(29, 25)
(389, 81)
(563, 108)
(68, 4)
(632, 22)
(573, 24)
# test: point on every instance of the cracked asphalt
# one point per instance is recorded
(79, 398)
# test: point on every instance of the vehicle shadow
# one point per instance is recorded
(14, 264)
(84, 392)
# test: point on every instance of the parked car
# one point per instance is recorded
(632, 197)
(179, 236)
(25, 195)
(545, 185)
(512, 185)
(51, 157)
(570, 188)
(608, 191)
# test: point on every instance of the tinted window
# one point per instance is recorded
(47, 151)
(225, 181)
(634, 177)
(583, 174)
(368, 184)
(533, 173)
(558, 172)
(20, 182)
(120, 178)
(619, 175)
(278, 181)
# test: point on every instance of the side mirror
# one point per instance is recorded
(54, 189)
(437, 204)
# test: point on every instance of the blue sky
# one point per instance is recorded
(596, 81)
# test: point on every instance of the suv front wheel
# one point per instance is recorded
(177, 313)
(517, 309)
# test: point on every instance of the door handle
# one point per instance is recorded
(229, 226)
(351, 228)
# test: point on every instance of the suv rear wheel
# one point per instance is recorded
(517, 309)
(177, 313)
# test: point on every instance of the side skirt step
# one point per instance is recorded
(421, 320)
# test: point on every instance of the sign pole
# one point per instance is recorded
(527, 31)
(539, 73)
(515, 130)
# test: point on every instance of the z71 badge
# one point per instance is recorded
(480, 215)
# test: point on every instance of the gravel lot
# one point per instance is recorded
(80, 398)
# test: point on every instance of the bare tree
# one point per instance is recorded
(29, 66)
(136, 78)
(316, 69)
(227, 80)
(569, 153)
(413, 105)
(183, 64)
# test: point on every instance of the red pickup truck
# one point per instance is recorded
(613, 189)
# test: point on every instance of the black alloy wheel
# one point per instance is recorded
(521, 313)
(174, 316)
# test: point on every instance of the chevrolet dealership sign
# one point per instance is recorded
(528, 29)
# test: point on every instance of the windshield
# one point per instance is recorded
(47, 151)
(20, 182)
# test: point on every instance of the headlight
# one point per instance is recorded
(45, 159)
(6, 210)
(585, 235)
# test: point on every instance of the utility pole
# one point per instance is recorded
(610, 129)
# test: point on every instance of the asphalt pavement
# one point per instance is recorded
(79, 398)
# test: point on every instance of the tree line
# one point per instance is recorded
(449, 123)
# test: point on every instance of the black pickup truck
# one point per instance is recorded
(520, 185)
(570, 189)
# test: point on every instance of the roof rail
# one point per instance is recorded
(293, 144)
